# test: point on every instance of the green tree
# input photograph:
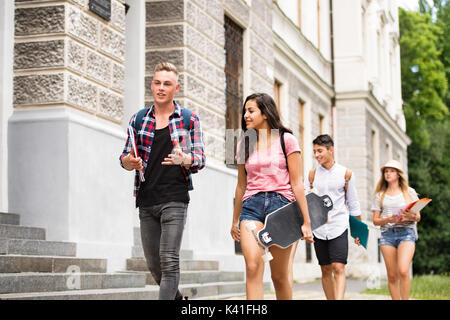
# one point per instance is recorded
(443, 21)
(424, 59)
(429, 174)
(424, 83)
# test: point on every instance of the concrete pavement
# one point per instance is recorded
(313, 291)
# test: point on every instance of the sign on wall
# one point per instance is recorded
(101, 8)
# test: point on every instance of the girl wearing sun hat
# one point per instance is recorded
(398, 227)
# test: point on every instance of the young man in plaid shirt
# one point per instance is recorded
(170, 148)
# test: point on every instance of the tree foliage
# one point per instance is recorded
(424, 83)
(425, 60)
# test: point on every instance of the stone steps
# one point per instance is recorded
(49, 282)
(9, 231)
(9, 218)
(94, 294)
(37, 247)
(20, 263)
(193, 291)
(33, 268)
(199, 277)
(139, 264)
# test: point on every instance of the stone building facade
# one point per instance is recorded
(71, 81)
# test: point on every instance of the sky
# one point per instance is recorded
(409, 4)
(412, 5)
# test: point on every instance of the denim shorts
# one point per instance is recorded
(258, 206)
(394, 236)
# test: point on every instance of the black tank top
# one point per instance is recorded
(163, 183)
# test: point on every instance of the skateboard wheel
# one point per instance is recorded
(250, 226)
(267, 257)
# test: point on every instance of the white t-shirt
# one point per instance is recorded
(391, 205)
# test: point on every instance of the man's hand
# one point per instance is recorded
(177, 157)
(130, 162)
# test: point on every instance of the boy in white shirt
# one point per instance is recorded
(331, 239)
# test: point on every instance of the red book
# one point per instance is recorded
(417, 205)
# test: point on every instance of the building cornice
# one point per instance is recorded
(284, 52)
(378, 112)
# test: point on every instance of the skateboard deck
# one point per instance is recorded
(283, 226)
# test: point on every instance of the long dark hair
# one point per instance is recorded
(268, 108)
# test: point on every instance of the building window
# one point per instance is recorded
(321, 124)
(392, 67)
(388, 150)
(277, 94)
(400, 157)
(299, 13)
(379, 58)
(375, 157)
(301, 131)
(234, 89)
(318, 24)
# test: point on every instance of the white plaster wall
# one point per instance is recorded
(309, 21)
(325, 42)
(210, 214)
(65, 176)
(290, 9)
(350, 72)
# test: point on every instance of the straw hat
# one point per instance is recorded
(392, 164)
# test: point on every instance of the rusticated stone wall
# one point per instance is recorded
(65, 54)
(191, 35)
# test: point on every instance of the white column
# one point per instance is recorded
(134, 96)
(134, 60)
(6, 91)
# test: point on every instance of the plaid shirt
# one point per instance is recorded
(146, 134)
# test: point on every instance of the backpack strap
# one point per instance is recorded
(311, 175)
(139, 118)
(348, 175)
(283, 147)
(186, 118)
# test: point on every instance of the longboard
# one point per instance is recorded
(282, 227)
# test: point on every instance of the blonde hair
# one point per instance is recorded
(382, 185)
(166, 66)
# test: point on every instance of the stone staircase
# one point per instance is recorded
(34, 268)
